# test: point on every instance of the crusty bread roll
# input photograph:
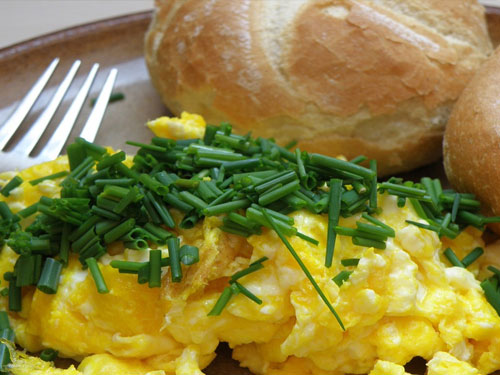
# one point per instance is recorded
(472, 140)
(344, 77)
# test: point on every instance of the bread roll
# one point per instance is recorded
(377, 77)
(472, 138)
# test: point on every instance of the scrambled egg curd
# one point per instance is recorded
(399, 303)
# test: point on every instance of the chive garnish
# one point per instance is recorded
(452, 258)
(48, 355)
(11, 185)
(97, 275)
(49, 177)
(302, 266)
(49, 279)
(472, 256)
(334, 206)
(350, 262)
(342, 277)
(175, 261)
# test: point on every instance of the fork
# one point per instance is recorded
(19, 157)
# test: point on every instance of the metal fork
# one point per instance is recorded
(19, 157)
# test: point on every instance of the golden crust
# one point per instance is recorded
(472, 139)
(380, 75)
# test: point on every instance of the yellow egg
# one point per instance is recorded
(398, 303)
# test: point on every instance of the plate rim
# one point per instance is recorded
(73, 32)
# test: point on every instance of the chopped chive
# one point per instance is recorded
(491, 294)
(221, 303)
(226, 207)
(403, 189)
(193, 200)
(162, 211)
(342, 277)
(119, 231)
(28, 211)
(472, 256)
(97, 275)
(189, 255)
(247, 293)
(470, 218)
(48, 355)
(255, 266)
(452, 257)
(334, 206)
(361, 241)
(341, 165)
(379, 223)
(175, 262)
(11, 185)
(373, 185)
(303, 266)
(126, 266)
(111, 160)
(15, 298)
(49, 177)
(64, 245)
(495, 270)
(5, 211)
(358, 159)
(49, 279)
(147, 147)
(155, 268)
(350, 262)
(258, 217)
(375, 230)
(307, 238)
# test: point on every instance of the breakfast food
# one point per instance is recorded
(377, 78)
(471, 151)
(303, 263)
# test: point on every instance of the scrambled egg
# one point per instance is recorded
(399, 303)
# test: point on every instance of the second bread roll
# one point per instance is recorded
(341, 77)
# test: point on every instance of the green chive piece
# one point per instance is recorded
(226, 207)
(472, 256)
(221, 303)
(375, 230)
(358, 159)
(279, 193)
(350, 262)
(11, 185)
(15, 298)
(491, 294)
(49, 279)
(155, 268)
(452, 257)
(341, 165)
(49, 177)
(48, 355)
(28, 211)
(248, 293)
(361, 241)
(193, 200)
(95, 271)
(373, 185)
(175, 262)
(189, 255)
(119, 231)
(334, 206)
(342, 277)
(307, 238)
(303, 266)
(255, 266)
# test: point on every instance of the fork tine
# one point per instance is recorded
(94, 121)
(29, 141)
(58, 139)
(10, 126)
